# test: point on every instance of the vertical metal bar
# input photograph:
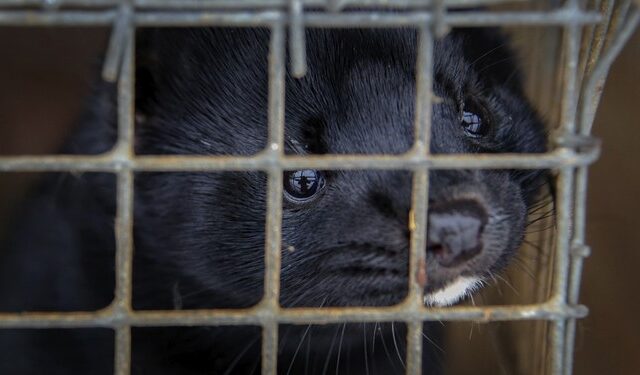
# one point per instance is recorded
(591, 95)
(558, 327)
(417, 268)
(123, 351)
(270, 349)
(564, 191)
(439, 12)
(414, 347)
(275, 148)
(594, 37)
(273, 234)
(124, 258)
(124, 241)
(124, 202)
(417, 227)
(420, 195)
(124, 208)
(617, 20)
(424, 89)
(577, 256)
(297, 45)
(116, 47)
(590, 100)
(569, 101)
(569, 104)
(274, 198)
(595, 82)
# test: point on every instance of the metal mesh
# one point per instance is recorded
(592, 35)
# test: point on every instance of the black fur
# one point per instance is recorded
(199, 237)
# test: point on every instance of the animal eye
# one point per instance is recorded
(473, 120)
(300, 186)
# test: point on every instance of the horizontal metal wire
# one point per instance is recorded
(234, 4)
(260, 314)
(310, 19)
(113, 162)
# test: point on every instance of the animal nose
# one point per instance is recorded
(455, 231)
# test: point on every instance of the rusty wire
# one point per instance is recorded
(574, 152)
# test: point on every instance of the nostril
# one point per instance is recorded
(448, 258)
(435, 248)
(455, 231)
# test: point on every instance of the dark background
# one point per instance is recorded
(45, 75)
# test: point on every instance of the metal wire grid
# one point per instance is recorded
(574, 152)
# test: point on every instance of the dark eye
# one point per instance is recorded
(473, 120)
(300, 186)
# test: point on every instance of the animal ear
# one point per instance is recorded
(489, 51)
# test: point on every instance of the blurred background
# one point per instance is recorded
(45, 75)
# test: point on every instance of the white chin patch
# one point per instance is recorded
(453, 292)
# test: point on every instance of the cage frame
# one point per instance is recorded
(575, 150)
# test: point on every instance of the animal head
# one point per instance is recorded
(345, 234)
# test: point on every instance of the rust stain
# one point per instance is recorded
(421, 276)
(412, 220)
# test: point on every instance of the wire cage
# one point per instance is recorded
(580, 40)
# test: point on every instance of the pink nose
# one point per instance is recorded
(455, 231)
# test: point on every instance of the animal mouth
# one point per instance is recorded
(376, 273)
(453, 291)
(371, 271)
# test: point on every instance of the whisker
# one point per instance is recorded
(521, 266)
(508, 284)
(237, 359)
(364, 342)
(255, 367)
(329, 353)
(488, 53)
(283, 339)
(497, 62)
(307, 356)
(395, 344)
(386, 350)
(344, 325)
(541, 230)
(496, 284)
(433, 342)
(543, 216)
(373, 343)
(295, 354)
(539, 248)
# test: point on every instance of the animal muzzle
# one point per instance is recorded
(455, 231)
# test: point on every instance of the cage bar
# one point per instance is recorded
(270, 302)
(621, 30)
(431, 19)
(233, 4)
(568, 112)
(124, 36)
(310, 19)
(417, 275)
(561, 157)
(256, 316)
(297, 46)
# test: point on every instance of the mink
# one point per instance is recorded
(199, 237)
